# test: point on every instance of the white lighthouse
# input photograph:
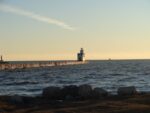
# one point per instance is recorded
(1, 60)
(81, 55)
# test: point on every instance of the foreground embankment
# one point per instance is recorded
(78, 99)
(11, 66)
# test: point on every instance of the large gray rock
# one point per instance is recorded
(16, 99)
(85, 91)
(52, 92)
(99, 93)
(70, 91)
(127, 91)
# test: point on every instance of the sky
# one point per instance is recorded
(57, 29)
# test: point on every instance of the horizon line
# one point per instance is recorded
(76, 59)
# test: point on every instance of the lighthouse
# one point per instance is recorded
(81, 55)
(1, 60)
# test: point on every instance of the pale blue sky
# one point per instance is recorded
(117, 29)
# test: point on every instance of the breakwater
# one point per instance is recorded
(12, 66)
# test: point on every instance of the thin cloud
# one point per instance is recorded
(18, 11)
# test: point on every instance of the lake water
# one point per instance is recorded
(108, 74)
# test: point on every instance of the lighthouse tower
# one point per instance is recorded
(1, 59)
(81, 55)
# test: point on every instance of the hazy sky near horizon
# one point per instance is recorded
(57, 29)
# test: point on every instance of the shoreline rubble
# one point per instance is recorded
(80, 98)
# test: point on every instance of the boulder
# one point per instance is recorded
(71, 91)
(52, 92)
(16, 99)
(85, 91)
(69, 98)
(127, 91)
(99, 93)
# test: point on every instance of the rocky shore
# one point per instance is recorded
(78, 99)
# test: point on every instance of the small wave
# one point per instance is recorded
(116, 74)
(127, 78)
(21, 83)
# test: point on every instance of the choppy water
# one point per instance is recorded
(106, 74)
